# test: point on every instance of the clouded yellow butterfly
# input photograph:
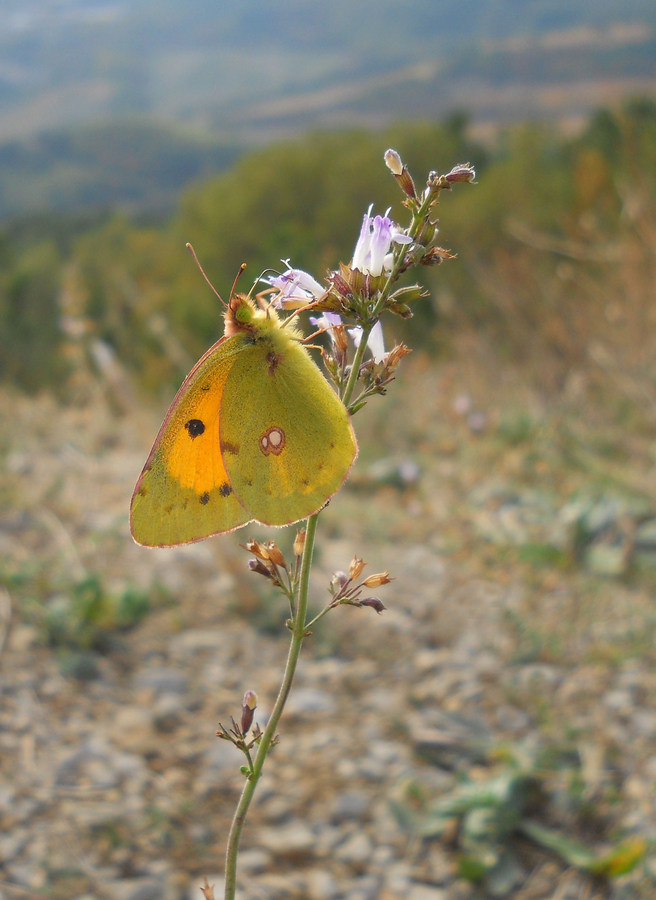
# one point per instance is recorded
(254, 433)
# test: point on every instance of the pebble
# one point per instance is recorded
(136, 889)
(321, 885)
(162, 680)
(425, 892)
(349, 806)
(356, 851)
(133, 730)
(294, 840)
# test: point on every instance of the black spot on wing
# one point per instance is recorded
(225, 490)
(195, 428)
(204, 498)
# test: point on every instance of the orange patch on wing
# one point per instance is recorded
(196, 462)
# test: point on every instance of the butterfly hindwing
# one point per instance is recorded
(287, 445)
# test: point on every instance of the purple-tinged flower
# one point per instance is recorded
(375, 343)
(372, 250)
(297, 288)
(331, 324)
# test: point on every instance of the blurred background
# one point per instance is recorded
(492, 734)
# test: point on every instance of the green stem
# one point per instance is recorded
(355, 367)
(298, 634)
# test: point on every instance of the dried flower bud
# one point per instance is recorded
(255, 565)
(377, 580)
(356, 566)
(299, 542)
(207, 890)
(435, 255)
(256, 549)
(395, 356)
(247, 710)
(463, 174)
(374, 603)
(275, 554)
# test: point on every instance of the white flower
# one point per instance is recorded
(375, 343)
(297, 288)
(372, 250)
(328, 320)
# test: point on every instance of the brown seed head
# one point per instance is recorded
(356, 566)
(377, 580)
(275, 554)
(299, 542)
(255, 548)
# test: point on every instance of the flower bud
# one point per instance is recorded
(374, 603)
(393, 161)
(377, 580)
(356, 566)
(299, 542)
(248, 708)
(463, 174)
(400, 309)
(395, 164)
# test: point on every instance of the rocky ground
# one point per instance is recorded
(518, 644)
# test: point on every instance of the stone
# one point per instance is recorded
(292, 841)
(356, 851)
(320, 885)
(349, 806)
(425, 892)
(132, 730)
(162, 680)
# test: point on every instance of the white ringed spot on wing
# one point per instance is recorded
(273, 441)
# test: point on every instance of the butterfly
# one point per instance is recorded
(255, 433)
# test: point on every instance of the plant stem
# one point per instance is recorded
(355, 367)
(298, 634)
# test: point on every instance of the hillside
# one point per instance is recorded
(112, 104)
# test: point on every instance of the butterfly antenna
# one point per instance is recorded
(202, 272)
(237, 277)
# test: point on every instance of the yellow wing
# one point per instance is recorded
(184, 493)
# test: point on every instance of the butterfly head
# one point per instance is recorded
(239, 315)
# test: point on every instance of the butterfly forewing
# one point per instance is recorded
(184, 493)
